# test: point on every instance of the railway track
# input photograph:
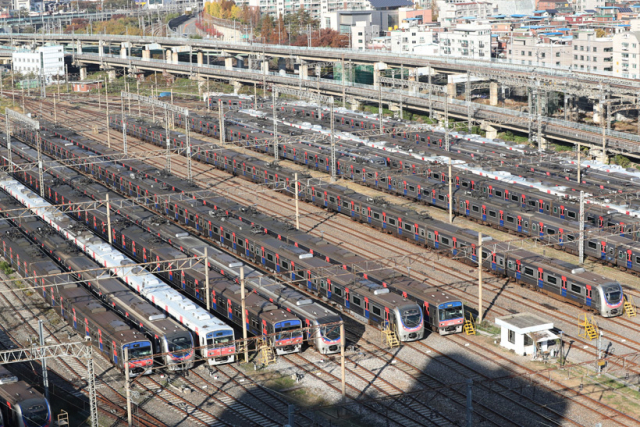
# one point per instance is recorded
(203, 171)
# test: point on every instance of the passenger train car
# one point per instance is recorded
(21, 405)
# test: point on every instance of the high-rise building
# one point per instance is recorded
(46, 61)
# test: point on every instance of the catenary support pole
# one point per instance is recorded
(8, 130)
(479, 255)
(343, 338)
(43, 362)
(244, 315)
(276, 149)
(380, 105)
(297, 196)
(333, 144)
(187, 128)
(206, 277)
(127, 386)
(40, 166)
(450, 194)
(581, 230)
(221, 121)
(579, 179)
(109, 220)
(446, 121)
(168, 137)
(469, 403)
(106, 97)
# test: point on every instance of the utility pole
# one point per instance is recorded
(579, 168)
(344, 90)
(127, 386)
(479, 254)
(168, 156)
(342, 369)
(446, 121)
(468, 97)
(221, 119)
(276, 149)
(43, 362)
(40, 171)
(138, 93)
(469, 403)
(539, 116)
(244, 315)
(380, 104)
(109, 220)
(8, 130)
(106, 97)
(188, 138)
(333, 143)
(581, 229)
(206, 277)
(450, 194)
(297, 211)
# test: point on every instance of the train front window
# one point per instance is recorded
(331, 333)
(221, 339)
(139, 351)
(35, 411)
(287, 330)
(179, 343)
(613, 294)
(450, 313)
(411, 317)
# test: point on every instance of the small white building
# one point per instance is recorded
(47, 60)
(526, 334)
(467, 41)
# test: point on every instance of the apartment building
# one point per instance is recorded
(320, 9)
(420, 39)
(591, 53)
(451, 11)
(466, 41)
(531, 50)
(626, 54)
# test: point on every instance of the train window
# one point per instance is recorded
(475, 208)
(430, 235)
(377, 311)
(526, 224)
(441, 197)
(485, 255)
(498, 193)
(571, 214)
(323, 284)
(412, 188)
(227, 236)
(332, 199)
(534, 226)
(270, 257)
(171, 208)
(285, 265)
(345, 204)
(445, 241)
(528, 271)
(407, 226)
(501, 261)
(376, 215)
(461, 205)
(510, 219)
(510, 265)
(555, 209)
(422, 232)
(552, 280)
(551, 232)
(392, 221)
(514, 198)
(216, 230)
(575, 288)
(592, 245)
(532, 203)
(638, 260)
(254, 323)
(492, 214)
(191, 217)
(465, 184)
(356, 300)
(512, 336)
(620, 254)
(337, 291)
(484, 189)
(271, 177)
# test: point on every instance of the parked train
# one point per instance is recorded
(393, 306)
(428, 232)
(279, 321)
(21, 405)
(103, 328)
(215, 338)
(167, 335)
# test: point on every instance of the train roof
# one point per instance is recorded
(13, 390)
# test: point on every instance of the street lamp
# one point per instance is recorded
(244, 312)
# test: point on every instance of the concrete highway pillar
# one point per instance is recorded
(544, 143)
(597, 112)
(228, 63)
(100, 48)
(111, 75)
(123, 52)
(492, 132)
(493, 94)
(83, 73)
(304, 71)
(79, 48)
(175, 57)
(200, 59)
(236, 87)
(146, 55)
(376, 78)
(451, 90)
(169, 56)
(265, 67)
(355, 104)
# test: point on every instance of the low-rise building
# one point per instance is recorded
(592, 53)
(362, 35)
(449, 12)
(417, 39)
(46, 61)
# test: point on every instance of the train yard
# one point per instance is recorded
(392, 372)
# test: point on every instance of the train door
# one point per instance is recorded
(366, 307)
(588, 299)
(563, 291)
(603, 250)
(540, 277)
